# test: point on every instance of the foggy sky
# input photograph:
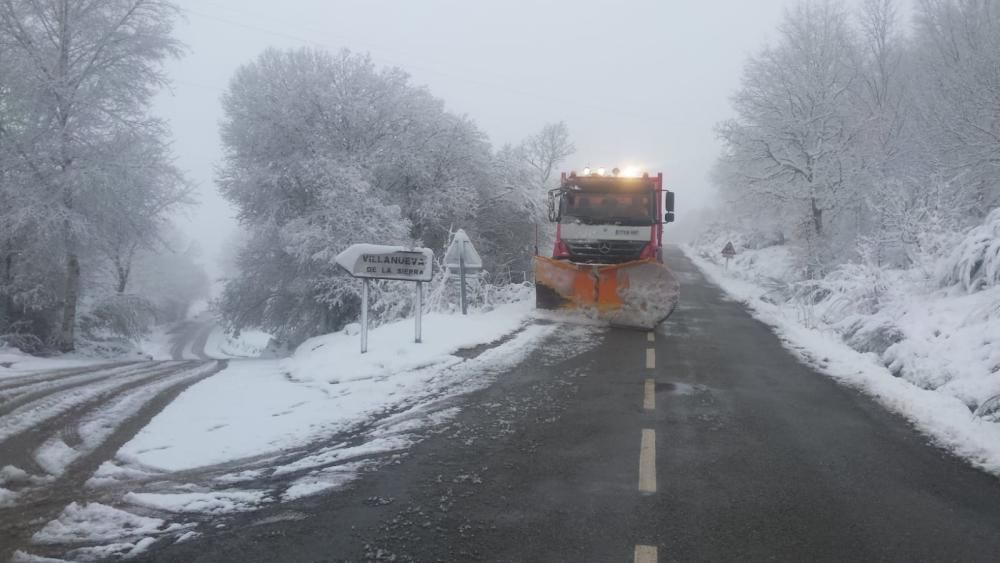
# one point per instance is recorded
(640, 83)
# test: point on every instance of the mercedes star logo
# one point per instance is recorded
(604, 248)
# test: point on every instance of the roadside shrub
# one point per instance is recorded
(19, 335)
(974, 264)
(849, 289)
(121, 315)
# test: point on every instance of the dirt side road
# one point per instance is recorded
(59, 427)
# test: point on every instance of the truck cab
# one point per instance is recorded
(609, 219)
(607, 258)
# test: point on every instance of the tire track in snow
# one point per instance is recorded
(87, 431)
(19, 381)
(33, 409)
(276, 470)
(189, 339)
(42, 503)
(12, 400)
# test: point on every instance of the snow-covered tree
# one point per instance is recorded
(545, 150)
(326, 150)
(886, 145)
(794, 138)
(957, 67)
(143, 193)
(77, 78)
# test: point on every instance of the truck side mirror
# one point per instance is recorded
(554, 202)
(668, 217)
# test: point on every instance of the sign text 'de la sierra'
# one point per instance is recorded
(387, 262)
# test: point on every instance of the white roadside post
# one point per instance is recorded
(461, 276)
(373, 261)
(417, 337)
(462, 258)
(364, 316)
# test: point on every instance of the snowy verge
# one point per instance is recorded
(158, 344)
(14, 362)
(936, 412)
(334, 358)
(265, 407)
(209, 502)
(249, 344)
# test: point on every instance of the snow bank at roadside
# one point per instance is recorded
(334, 358)
(930, 355)
(15, 362)
(119, 534)
(95, 522)
(249, 344)
(264, 407)
(158, 344)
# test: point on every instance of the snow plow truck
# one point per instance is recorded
(607, 260)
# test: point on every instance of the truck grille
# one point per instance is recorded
(605, 252)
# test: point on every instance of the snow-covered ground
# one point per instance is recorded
(249, 344)
(117, 533)
(13, 362)
(275, 430)
(158, 344)
(926, 352)
(260, 407)
(261, 431)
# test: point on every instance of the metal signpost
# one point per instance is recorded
(462, 258)
(373, 261)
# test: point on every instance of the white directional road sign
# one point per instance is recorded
(387, 262)
(376, 261)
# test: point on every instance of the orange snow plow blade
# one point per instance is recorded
(639, 294)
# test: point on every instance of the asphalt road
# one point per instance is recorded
(705, 442)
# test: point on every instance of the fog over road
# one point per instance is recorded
(188, 339)
(705, 440)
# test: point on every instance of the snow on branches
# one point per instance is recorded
(86, 176)
(857, 141)
(327, 150)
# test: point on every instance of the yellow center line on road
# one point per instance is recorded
(647, 462)
(650, 336)
(645, 554)
(650, 358)
(649, 395)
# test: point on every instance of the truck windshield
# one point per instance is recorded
(608, 208)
